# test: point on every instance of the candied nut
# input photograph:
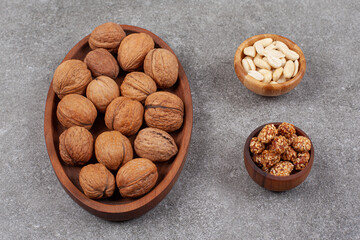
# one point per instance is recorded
(102, 63)
(101, 91)
(124, 115)
(133, 50)
(301, 161)
(279, 144)
(162, 65)
(136, 177)
(164, 110)
(137, 86)
(257, 159)
(289, 155)
(112, 149)
(301, 144)
(76, 146)
(71, 76)
(155, 145)
(269, 159)
(267, 133)
(286, 129)
(76, 110)
(291, 139)
(107, 36)
(96, 181)
(256, 146)
(282, 169)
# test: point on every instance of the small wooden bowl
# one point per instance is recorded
(267, 89)
(117, 208)
(271, 182)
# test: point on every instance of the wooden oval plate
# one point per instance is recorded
(117, 208)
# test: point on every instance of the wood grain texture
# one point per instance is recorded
(271, 182)
(117, 208)
(266, 89)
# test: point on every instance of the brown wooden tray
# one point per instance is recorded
(117, 208)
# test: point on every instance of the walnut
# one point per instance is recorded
(71, 76)
(102, 63)
(268, 133)
(137, 86)
(286, 129)
(155, 144)
(136, 177)
(96, 181)
(132, 51)
(76, 110)
(101, 91)
(76, 146)
(301, 144)
(124, 115)
(162, 66)
(279, 144)
(112, 148)
(282, 169)
(256, 146)
(108, 36)
(164, 110)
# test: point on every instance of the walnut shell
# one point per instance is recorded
(124, 115)
(76, 110)
(164, 110)
(76, 146)
(108, 36)
(132, 51)
(137, 86)
(112, 148)
(71, 76)
(155, 144)
(96, 181)
(101, 91)
(162, 66)
(102, 63)
(136, 177)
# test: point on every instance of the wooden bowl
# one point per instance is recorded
(271, 182)
(266, 89)
(117, 208)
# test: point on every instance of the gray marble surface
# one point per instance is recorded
(214, 197)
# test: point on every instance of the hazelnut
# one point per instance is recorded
(96, 181)
(112, 148)
(71, 76)
(137, 86)
(76, 146)
(132, 51)
(136, 177)
(164, 110)
(108, 36)
(102, 63)
(155, 144)
(76, 110)
(124, 115)
(101, 91)
(162, 66)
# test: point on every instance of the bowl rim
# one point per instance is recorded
(292, 83)
(247, 156)
(152, 198)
